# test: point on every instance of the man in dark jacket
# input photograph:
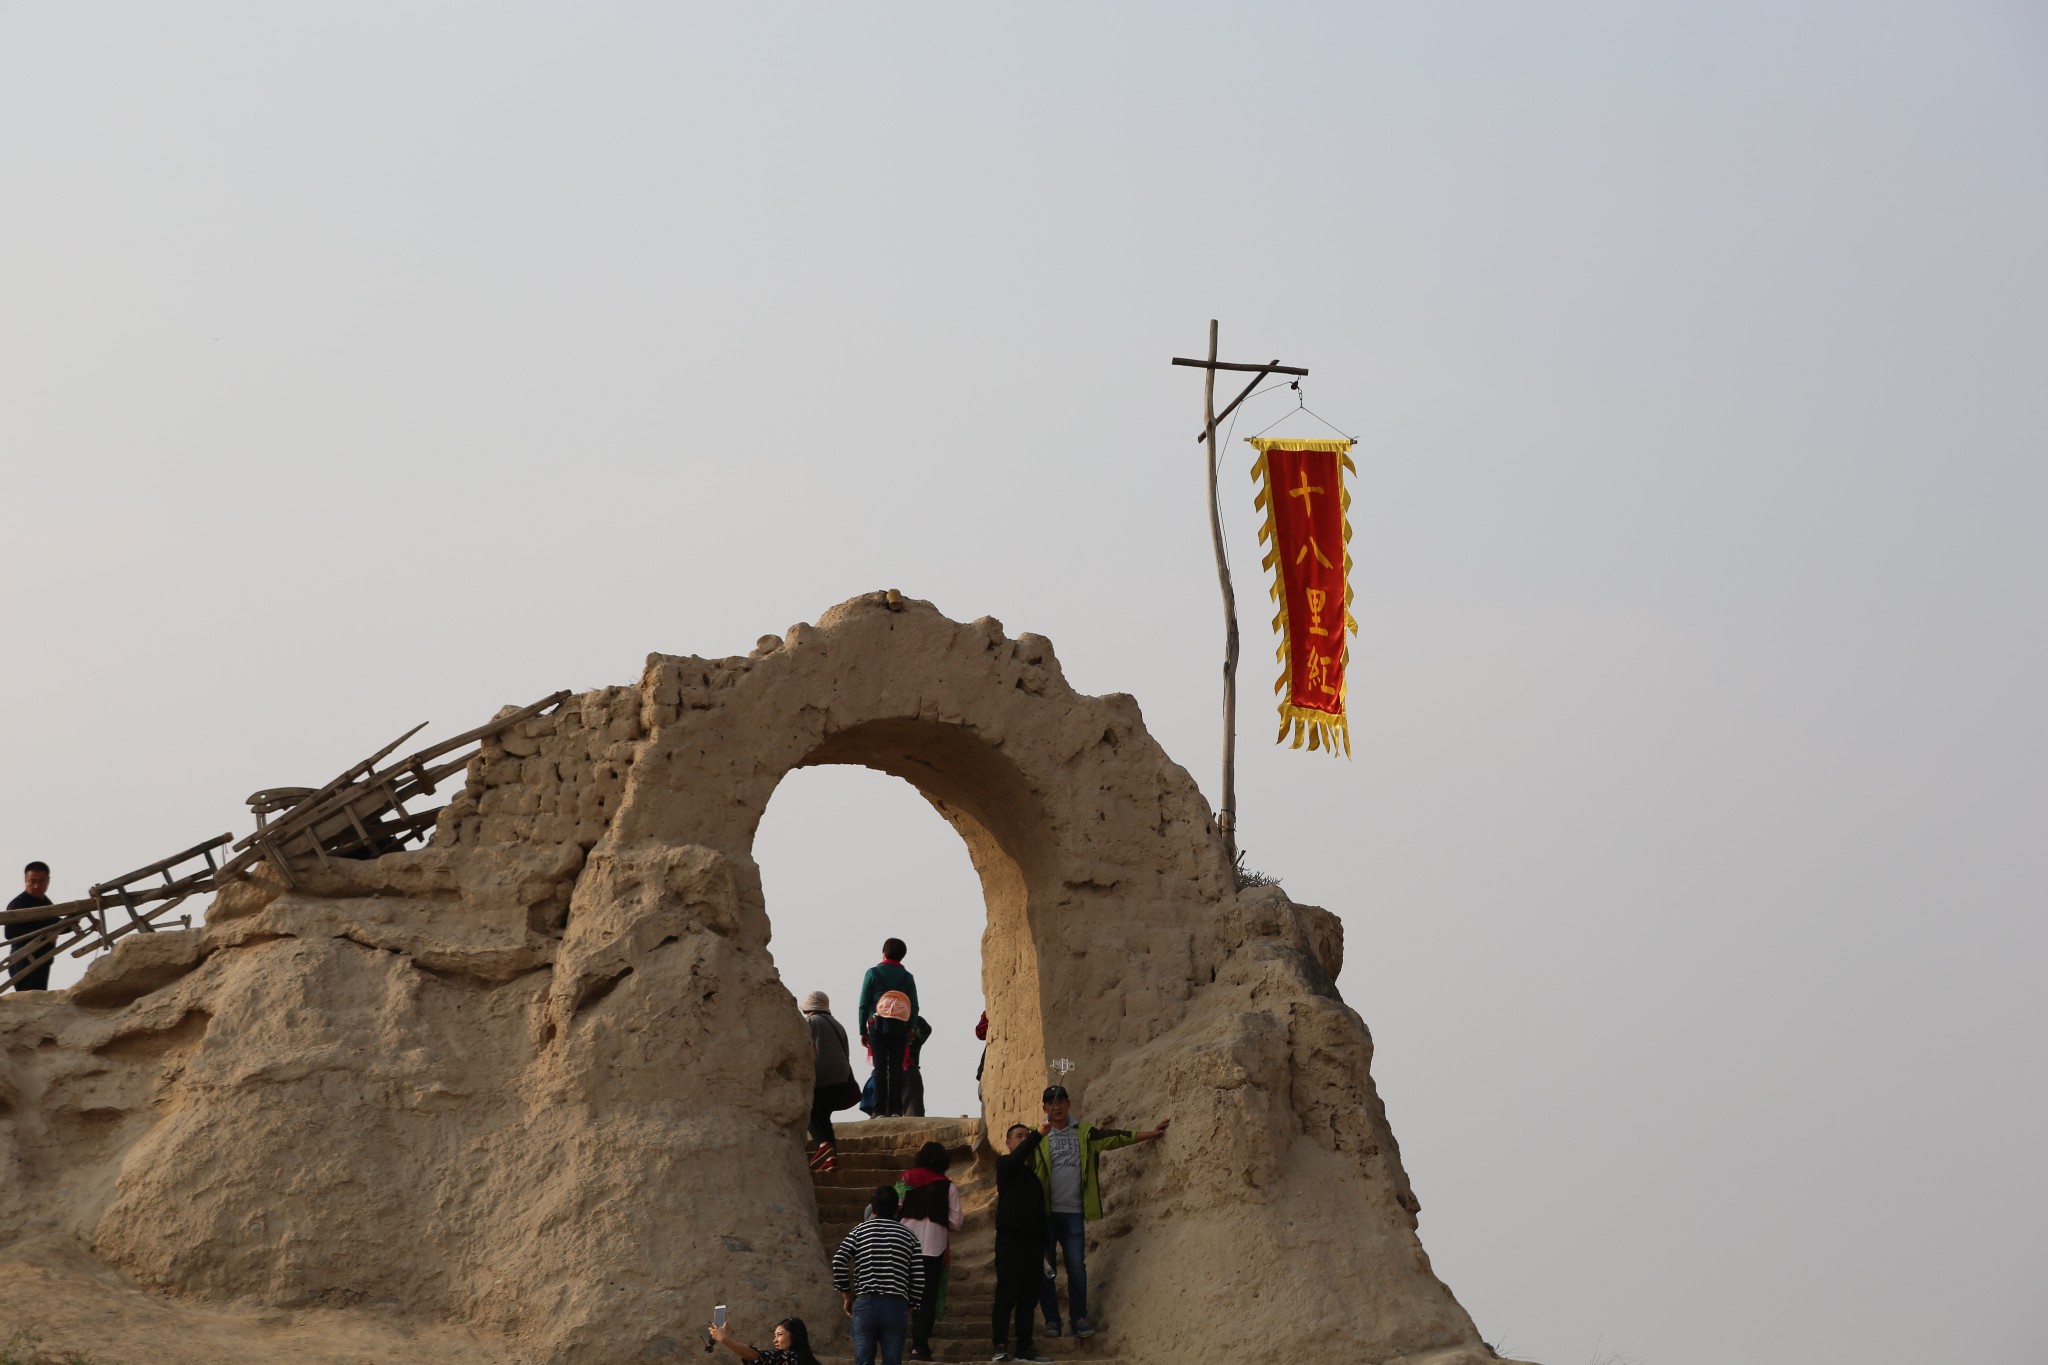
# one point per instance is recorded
(1020, 1241)
(35, 879)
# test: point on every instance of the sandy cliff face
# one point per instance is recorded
(538, 1087)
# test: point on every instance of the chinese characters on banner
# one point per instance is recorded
(1308, 535)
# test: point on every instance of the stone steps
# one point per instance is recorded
(877, 1152)
(983, 1351)
(1059, 1348)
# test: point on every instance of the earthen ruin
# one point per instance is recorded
(535, 1092)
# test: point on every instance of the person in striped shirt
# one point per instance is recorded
(879, 1272)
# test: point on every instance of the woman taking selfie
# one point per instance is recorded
(792, 1344)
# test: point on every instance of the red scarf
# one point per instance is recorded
(925, 1196)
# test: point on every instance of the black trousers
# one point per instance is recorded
(821, 1115)
(887, 1038)
(927, 1311)
(39, 979)
(913, 1092)
(1020, 1265)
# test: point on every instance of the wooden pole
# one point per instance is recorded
(1226, 813)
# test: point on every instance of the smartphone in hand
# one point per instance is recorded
(718, 1316)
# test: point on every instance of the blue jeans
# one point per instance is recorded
(1066, 1234)
(879, 1320)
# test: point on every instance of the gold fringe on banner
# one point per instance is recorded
(1319, 729)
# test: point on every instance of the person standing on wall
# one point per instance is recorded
(832, 1083)
(879, 1274)
(35, 880)
(1066, 1166)
(913, 1066)
(885, 976)
(1020, 1242)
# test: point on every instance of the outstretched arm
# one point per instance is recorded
(724, 1338)
(1009, 1161)
(1109, 1139)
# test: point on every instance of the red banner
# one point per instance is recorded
(1308, 538)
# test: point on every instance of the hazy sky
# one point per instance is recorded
(370, 364)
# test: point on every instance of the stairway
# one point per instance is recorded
(877, 1151)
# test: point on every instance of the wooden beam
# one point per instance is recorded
(1231, 406)
(1226, 812)
(60, 910)
(1229, 365)
(163, 865)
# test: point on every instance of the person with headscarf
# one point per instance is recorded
(931, 1210)
(832, 1085)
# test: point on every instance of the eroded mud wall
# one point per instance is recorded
(541, 1077)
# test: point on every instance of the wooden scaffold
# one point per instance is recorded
(364, 813)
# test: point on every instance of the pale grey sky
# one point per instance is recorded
(367, 364)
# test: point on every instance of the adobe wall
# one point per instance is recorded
(540, 1080)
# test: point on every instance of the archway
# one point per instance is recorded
(1098, 861)
(985, 799)
(849, 856)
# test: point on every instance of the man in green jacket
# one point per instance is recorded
(1066, 1165)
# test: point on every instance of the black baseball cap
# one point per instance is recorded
(1053, 1092)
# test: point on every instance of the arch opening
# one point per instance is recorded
(980, 794)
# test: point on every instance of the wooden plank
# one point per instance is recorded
(1227, 365)
(493, 727)
(237, 867)
(143, 925)
(278, 861)
(56, 911)
(162, 865)
(39, 948)
(296, 815)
